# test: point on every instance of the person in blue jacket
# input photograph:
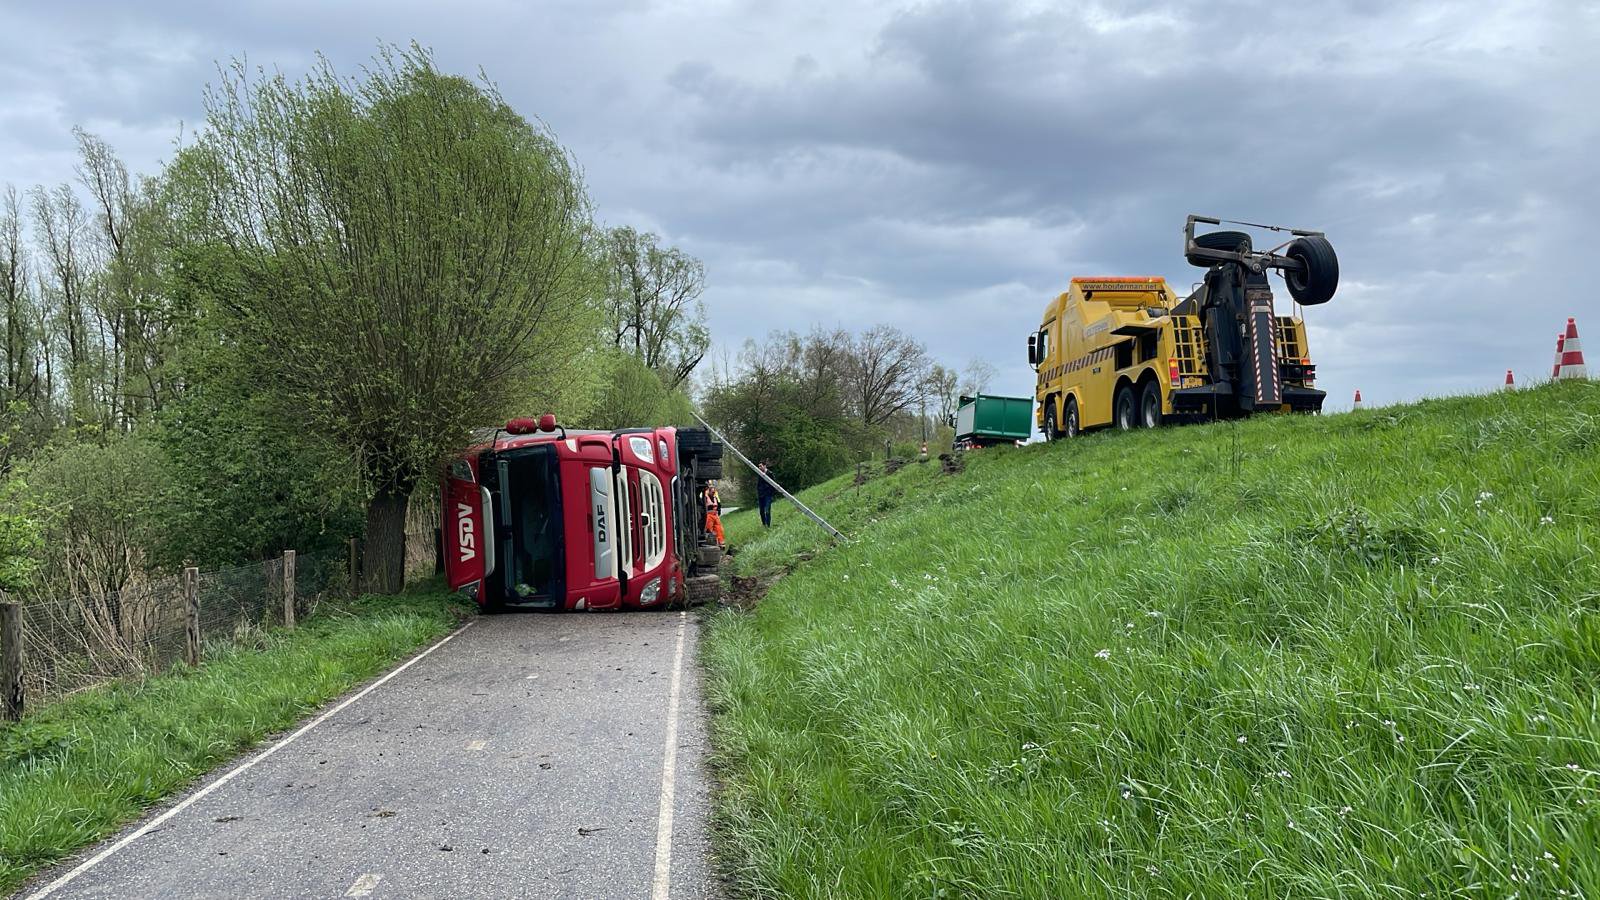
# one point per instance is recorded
(765, 493)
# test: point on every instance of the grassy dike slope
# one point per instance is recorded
(1348, 656)
(75, 771)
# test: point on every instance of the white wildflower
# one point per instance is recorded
(1243, 740)
(1485, 495)
(1547, 520)
(1344, 810)
(1102, 654)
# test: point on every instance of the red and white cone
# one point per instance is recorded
(1357, 403)
(1572, 354)
(1510, 382)
(1555, 370)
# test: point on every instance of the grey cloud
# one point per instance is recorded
(948, 165)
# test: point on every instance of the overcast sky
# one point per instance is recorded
(947, 166)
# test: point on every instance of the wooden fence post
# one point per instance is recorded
(191, 605)
(355, 567)
(288, 588)
(10, 659)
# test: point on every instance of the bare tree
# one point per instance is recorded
(941, 386)
(977, 378)
(62, 228)
(652, 303)
(886, 373)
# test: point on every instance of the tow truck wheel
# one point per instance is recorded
(1231, 241)
(1071, 430)
(1318, 276)
(1122, 409)
(1050, 433)
(1150, 405)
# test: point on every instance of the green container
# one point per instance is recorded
(988, 419)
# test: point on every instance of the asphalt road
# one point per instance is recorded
(525, 757)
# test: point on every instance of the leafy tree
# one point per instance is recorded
(411, 261)
(652, 304)
(631, 394)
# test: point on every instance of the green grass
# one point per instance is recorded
(1347, 656)
(75, 771)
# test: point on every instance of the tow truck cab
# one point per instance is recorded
(539, 517)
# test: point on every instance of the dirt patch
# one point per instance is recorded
(952, 463)
(744, 592)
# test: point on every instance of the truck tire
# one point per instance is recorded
(693, 439)
(707, 469)
(1318, 278)
(1231, 241)
(702, 589)
(1071, 428)
(1123, 411)
(1049, 429)
(709, 557)
(710, 451)
(1150, 405)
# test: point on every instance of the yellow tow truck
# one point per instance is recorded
(1129, 352)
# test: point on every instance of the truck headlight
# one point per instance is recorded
(651, 592)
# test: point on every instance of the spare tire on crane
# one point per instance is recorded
(1317, 276)
(1231, 241)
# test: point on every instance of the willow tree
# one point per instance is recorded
(411, 260)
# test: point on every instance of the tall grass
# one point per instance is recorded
(1349, 656)
(76, 770)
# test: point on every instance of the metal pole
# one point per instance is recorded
(769, 480)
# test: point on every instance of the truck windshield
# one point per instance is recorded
(530, 536)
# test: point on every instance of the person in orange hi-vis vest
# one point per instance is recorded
(714, 513)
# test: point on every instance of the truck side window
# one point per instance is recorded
(1044, 344)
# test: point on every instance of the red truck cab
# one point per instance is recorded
(540, 517)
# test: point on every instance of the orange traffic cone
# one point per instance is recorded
(1572, 354)
(1509, 382)
(1357, 404)
(1555, 370)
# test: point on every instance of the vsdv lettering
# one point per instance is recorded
(466, 538)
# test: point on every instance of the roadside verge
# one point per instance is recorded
(76, 771)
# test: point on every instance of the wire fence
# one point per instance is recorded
(75, 643)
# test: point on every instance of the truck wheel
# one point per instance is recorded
(1071, 430)
(1231, 241)
(1150, 405)
(1122, 408)
(693, 439)
(1049, 429)
(702, 589)
(708, 469)
(710, 451)
(709, 557)
(1318, 276)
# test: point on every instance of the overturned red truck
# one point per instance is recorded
(537, 516)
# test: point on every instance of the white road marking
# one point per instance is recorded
(661, 887)
(476, 745)
(248, 764)
(364, 885)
